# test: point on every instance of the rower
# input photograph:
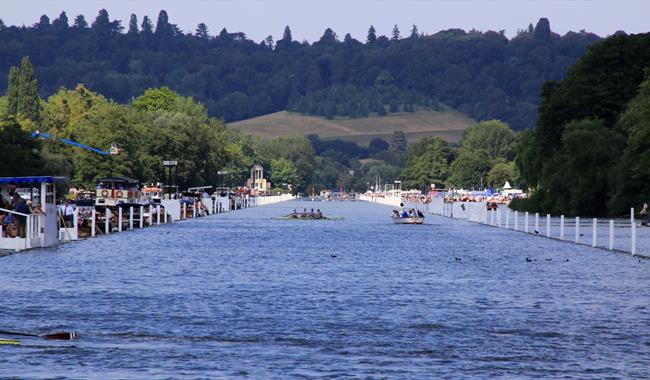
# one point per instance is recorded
(318, 214)
(405, 210)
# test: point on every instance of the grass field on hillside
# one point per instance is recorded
(447, 124)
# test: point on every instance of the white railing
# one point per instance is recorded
(611, 234)
(32, 233)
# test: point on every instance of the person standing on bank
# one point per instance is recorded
(68, 213)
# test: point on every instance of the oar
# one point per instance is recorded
(59, 335)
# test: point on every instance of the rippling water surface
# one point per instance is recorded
(241, 295)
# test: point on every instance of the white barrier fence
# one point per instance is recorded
(611, 234)
(390, 201)
(107, 221)
(263, 201)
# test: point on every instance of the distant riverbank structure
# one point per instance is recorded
(257, 183)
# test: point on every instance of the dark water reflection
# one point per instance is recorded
(243, 295)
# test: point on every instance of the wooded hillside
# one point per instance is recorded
(482, 74)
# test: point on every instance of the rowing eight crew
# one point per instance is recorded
(305, 214)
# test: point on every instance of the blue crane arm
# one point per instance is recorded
(46, 135)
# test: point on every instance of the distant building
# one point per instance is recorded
(257, 183)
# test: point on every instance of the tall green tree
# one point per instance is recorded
(29, 103)
(133, 25)
(13, 91)
(372, 35)
(414, 32)
(80, 22)
(395, 35)
(22, 92)
(202, 31)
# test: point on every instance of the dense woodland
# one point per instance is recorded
(483, 74)
(590, 151)
(162, 125)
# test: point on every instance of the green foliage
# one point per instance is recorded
(469, 169)
(297, 150)
(493, 137)
(595, 165)
(283, 171)
(155, 99)
(427, 163)
(500, 173)
(398, 141)
(22, 92)
(631, 174)
(19, 152)
(482, 74)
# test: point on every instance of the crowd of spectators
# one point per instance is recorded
(13, 211)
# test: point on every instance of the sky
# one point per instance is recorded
(309, 18)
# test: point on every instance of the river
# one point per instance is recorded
(241, 295)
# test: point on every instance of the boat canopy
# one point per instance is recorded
(31, 180)
(120, 180)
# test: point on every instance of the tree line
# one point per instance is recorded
(483, 74)
(163, 125)
(588, 154)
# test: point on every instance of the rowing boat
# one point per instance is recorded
(306, 218)
(9, 342)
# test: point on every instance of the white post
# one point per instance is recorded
(107, 221)
(507, 218)
(594, 232)
(150, 216)
(164, 210)
(141, 217)
(633, 225)
(611, 235)
(536, 222)
(131, 217)
(526, 223)
(561, 227)
(119, 219)
(548, 225)
(184, 211)
(499, 217)
(516, 220)
(194, 209)
(158, 215)
(577, 240)
(93, 226)
(28, 231)
(75, 222)
(492, 214)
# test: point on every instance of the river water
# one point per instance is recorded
(241, 295)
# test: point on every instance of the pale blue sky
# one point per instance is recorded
(308, 19)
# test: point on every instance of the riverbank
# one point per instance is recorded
(92, 221)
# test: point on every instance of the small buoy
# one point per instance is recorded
(332, 256)
(549, 259)
(457, 258)
(567, 260)
(528, 260)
